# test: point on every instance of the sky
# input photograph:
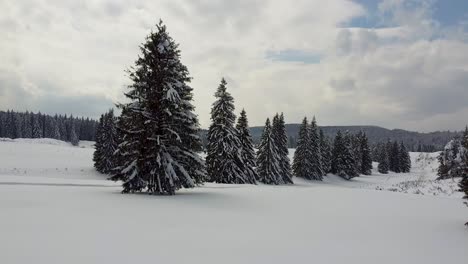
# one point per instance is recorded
(391, 63)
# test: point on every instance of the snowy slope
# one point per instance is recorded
(330, 222)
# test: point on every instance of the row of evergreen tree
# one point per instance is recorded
(36, 125)
(392, 156)
(154, 145)
(231, 157)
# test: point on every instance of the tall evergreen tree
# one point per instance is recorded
(404, 159)
(268, 163)
(281, 140)
(18, 125)
(366, 159)
(343, 162)
(325, 149)
(384, 162)
(315, 151)
(394, 157)
(98, 152)
(302, 164)
(73, 136)
(36, 127)
(223, 151)
(247, 149)
(160, 129)
(356, 150)
(107, 143)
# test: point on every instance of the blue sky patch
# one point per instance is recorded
(293, 55)
(446, 12)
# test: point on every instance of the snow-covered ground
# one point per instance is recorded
(56, 209)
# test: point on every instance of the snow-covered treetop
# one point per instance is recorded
(222, 112)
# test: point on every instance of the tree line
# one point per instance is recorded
(154, 145)
(36, 125)
(392, 156)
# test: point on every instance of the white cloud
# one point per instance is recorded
(388, 76)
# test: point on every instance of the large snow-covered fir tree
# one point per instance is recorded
(395, 157)
(302, 161)
(281, 140)
(325, 150)
(343, 162)
(315, 151)
(158, 126)
(247, 149)
(224, 162)
(268, 160)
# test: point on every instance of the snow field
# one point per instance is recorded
(76, 216)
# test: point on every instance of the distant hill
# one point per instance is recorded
(436, 140)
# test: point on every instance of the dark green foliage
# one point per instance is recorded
(106, 143)
(384, 163)
(268, 166)
(366, 160)
(343, 162)
(302, 162)
(325, 149)
(247, 149)
(394, 157)
(281, 140)
(404, 159)
(316, 154)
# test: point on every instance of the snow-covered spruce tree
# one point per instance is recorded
(106, 143)
(404, 159)
(73, 136)
(356, 150)
(36, 128)
(343, 162)
(223, 160)
(350, 160)
(56, 130)
(159, 128)
(18, 126)
(247, 148)
(394, 157)
(451, 159)
(268, 163)
(384, 162)
(325, 149)
(97, 155)
(281, 140)
(337, 154)
(315, 152)
(302, 165)
(366, 159)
